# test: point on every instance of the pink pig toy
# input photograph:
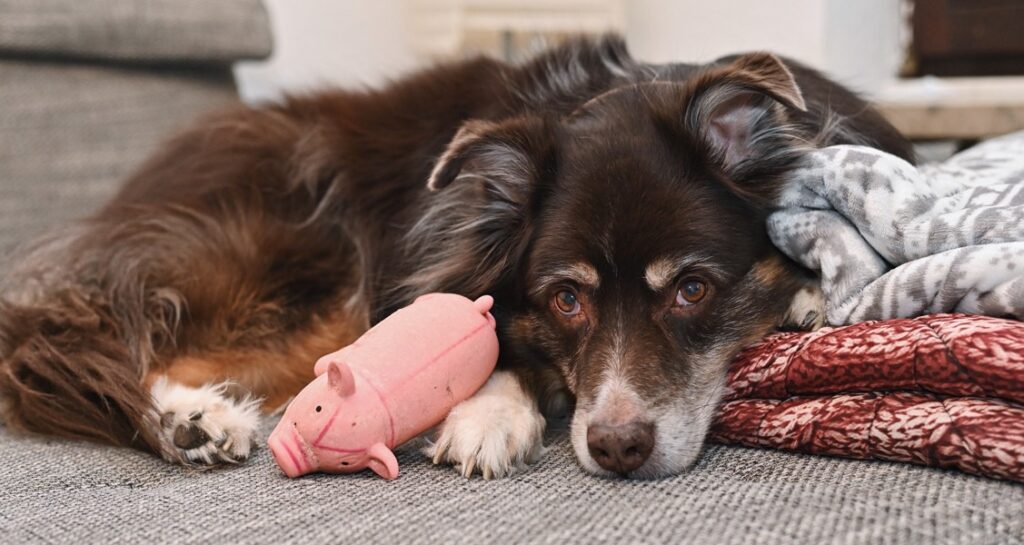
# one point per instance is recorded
(401, 378)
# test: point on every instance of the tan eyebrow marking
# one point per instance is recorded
(660, 272)
(663, 270)
(581, 273)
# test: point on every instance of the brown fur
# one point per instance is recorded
(274, 371)
(263, 237)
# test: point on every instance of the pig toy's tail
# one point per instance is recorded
(484, 304)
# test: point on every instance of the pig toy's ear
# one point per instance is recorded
(340, 379)
(321, 364)
(382, 461)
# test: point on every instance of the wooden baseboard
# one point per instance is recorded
(954, 108)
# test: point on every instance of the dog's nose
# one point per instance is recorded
(621, 448)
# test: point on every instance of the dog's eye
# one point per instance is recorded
(691, 292)
(567, 303)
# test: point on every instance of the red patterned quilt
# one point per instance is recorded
(945, 390)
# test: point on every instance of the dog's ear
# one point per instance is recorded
(472, 138)
(506, 152)
(740, 113)
(478, 220)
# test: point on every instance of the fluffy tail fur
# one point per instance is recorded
(73, 351)
(65, 371)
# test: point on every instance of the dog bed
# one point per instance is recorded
(944, 390)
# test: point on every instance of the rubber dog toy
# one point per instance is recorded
(398, 380)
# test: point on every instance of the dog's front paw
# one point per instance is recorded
(806, 311)
(204, 426)
(496, 432)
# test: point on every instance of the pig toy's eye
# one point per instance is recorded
(318, 408)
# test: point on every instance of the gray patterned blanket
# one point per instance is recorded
(890, 240)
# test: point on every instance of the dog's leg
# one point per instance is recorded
(82, 356)
(496, 432)
(207, 404)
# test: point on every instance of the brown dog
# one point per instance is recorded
(615, 210)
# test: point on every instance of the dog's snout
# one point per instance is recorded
(621, 448)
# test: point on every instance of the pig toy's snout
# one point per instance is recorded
(288, 451)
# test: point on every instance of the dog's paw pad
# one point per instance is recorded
(203, 426)
(190, 435)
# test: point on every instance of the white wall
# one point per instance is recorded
(357, 42)
(701, 30)
(855, 41)
(329, 42)
(863, 42)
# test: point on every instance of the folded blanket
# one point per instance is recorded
(943, 390)
(893, 241)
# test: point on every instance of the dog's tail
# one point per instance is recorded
(73, 352)
(65, 371)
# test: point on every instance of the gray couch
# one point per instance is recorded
(81, 107)
(89, 87)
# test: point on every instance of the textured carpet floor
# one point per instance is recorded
(60, 492)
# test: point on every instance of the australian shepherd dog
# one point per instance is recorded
(615, 209)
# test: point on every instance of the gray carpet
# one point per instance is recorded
(59, 492)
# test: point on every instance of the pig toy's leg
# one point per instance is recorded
(496, 432)
(204, 425)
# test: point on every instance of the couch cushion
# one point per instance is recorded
(146, 31)
(70, 133)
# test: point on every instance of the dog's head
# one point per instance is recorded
(626, 246)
